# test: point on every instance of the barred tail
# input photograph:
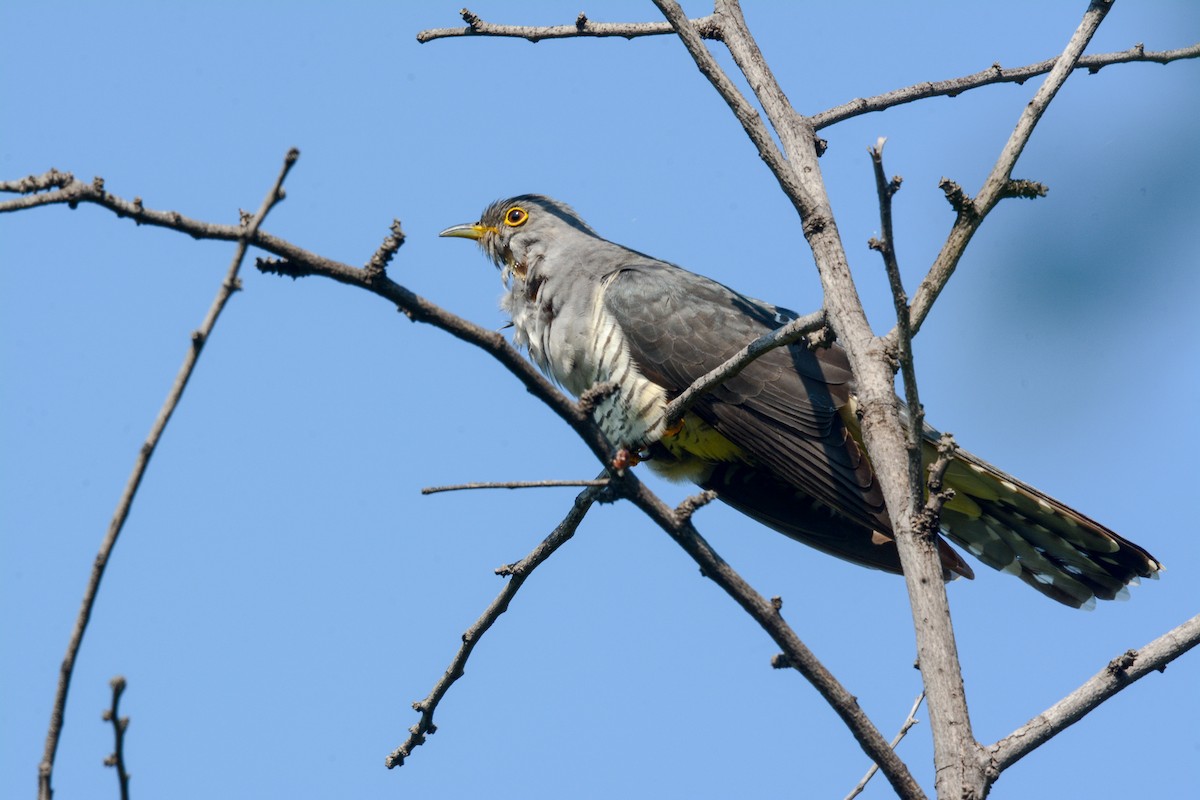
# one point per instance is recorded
(1016, 529)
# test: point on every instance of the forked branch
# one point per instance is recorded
(244, 233)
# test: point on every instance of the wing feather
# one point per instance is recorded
(782, 410)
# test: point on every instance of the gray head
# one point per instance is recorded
(511, 231)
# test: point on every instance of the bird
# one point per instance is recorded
(780, 441)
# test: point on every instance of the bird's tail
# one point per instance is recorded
(1014, 528)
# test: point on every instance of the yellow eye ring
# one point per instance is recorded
(516, 217)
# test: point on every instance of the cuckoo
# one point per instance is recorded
(780, 441)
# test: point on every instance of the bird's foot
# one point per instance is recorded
(626, 458)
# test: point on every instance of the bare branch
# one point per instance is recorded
(1120, 673)
(886, 245)
(53, 179)
(991, 75)
(909, 722)
(518, 573)
(296, 262)
(746, 114)
(780, 337)
(883, 429)
(458, 487)
(997, 183)
(229, 285)
(767, 614)
(706, 27)
(386, 252)
(799, 176)
(795, 132)
(691, 505)
(120, 725)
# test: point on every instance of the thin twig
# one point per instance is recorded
(694, 503)
(228, 286)
(458, 487)
(705, 26)
(52, 179)
(909, 721)
(1120, 673)
(120, 725)
(387, 251)
(517, 574)
(886, 245)
(992, 75)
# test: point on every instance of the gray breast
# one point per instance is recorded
(578, 343)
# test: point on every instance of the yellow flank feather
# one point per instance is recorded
(696, 446)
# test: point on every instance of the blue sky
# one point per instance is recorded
(282, 592)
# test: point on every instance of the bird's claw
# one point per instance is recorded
(626, 458)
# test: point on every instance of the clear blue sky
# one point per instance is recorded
(282, 592)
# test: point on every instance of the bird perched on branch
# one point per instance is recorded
(780, 441)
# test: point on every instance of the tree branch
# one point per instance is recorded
(992, 75)
(767, 614)
(245, 232)
(780, 337)
(1120, 673)
(120, 725)
(705, 26)
(746, 114)
(886, 246)
(517, 573)
(909, 722)
(883, 429)
(998, 182)
(296, 262)
(458, 487)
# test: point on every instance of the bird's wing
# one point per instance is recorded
(782, 410)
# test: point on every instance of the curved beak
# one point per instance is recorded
(471, 230)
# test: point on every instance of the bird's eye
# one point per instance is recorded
(515, 216)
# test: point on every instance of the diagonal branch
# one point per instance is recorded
(746, 114)
(229, 285)
(767, 614)
(517, 574)
(1120, 673)
(992, 75)
(296, 262)
(780, 337)
(705, 26)
(905, 727)
(997, 185)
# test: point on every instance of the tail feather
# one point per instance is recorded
(1015, 528)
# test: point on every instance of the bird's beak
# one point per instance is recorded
(471, 230)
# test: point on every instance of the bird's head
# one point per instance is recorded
(519, 232)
